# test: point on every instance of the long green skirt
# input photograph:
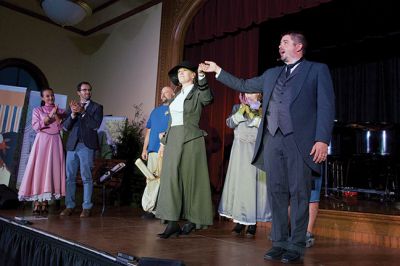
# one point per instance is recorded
(185, 186)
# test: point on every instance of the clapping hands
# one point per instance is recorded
(53, 112)
(52, 116)
(76, 108)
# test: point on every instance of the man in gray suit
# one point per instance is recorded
(292, 139)
(83, 120)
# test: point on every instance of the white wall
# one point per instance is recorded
(120, 61)
(124, 67)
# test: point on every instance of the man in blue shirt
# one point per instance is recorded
(157, 124)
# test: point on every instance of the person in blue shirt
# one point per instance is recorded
(156, 126)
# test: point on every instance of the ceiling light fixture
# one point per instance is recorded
(66, 12)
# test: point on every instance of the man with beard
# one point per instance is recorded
(292, 139)
(156, 126)
(83, 120)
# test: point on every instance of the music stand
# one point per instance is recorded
(106, 176)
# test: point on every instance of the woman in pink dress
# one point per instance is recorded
(44, 177)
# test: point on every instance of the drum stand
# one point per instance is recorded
(334, 169)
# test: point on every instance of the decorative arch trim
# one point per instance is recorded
(175, 20)
(32, 69)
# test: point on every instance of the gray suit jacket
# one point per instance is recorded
(312, 106)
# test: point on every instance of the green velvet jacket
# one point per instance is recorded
(198, 97)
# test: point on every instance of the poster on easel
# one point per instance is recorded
(29, 133)
(11, 104)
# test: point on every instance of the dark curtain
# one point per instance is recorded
(368, 92)
(361, 48)
(20, 246)
(219, 17)
(227, 32)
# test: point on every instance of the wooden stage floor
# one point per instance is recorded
(122, 230)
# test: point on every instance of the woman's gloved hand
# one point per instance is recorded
(238, 117)
(255, 122)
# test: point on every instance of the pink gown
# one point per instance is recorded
(44, 177)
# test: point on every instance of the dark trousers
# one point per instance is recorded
(289, 183)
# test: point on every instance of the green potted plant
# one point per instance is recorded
(129, 148)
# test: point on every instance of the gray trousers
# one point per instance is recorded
(289, 183)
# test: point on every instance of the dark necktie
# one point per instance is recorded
(288, 69)
(290, 66)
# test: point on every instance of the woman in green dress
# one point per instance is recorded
(185, 187)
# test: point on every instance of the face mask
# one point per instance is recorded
(255, 105)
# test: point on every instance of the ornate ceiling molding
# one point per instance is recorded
(79, 31)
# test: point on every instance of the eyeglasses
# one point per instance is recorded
(89, 90)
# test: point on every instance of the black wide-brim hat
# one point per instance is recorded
(173, 73)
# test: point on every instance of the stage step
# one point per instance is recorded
(366, 228)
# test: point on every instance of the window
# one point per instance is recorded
(19, 72)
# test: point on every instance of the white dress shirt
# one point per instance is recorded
(176, 107)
